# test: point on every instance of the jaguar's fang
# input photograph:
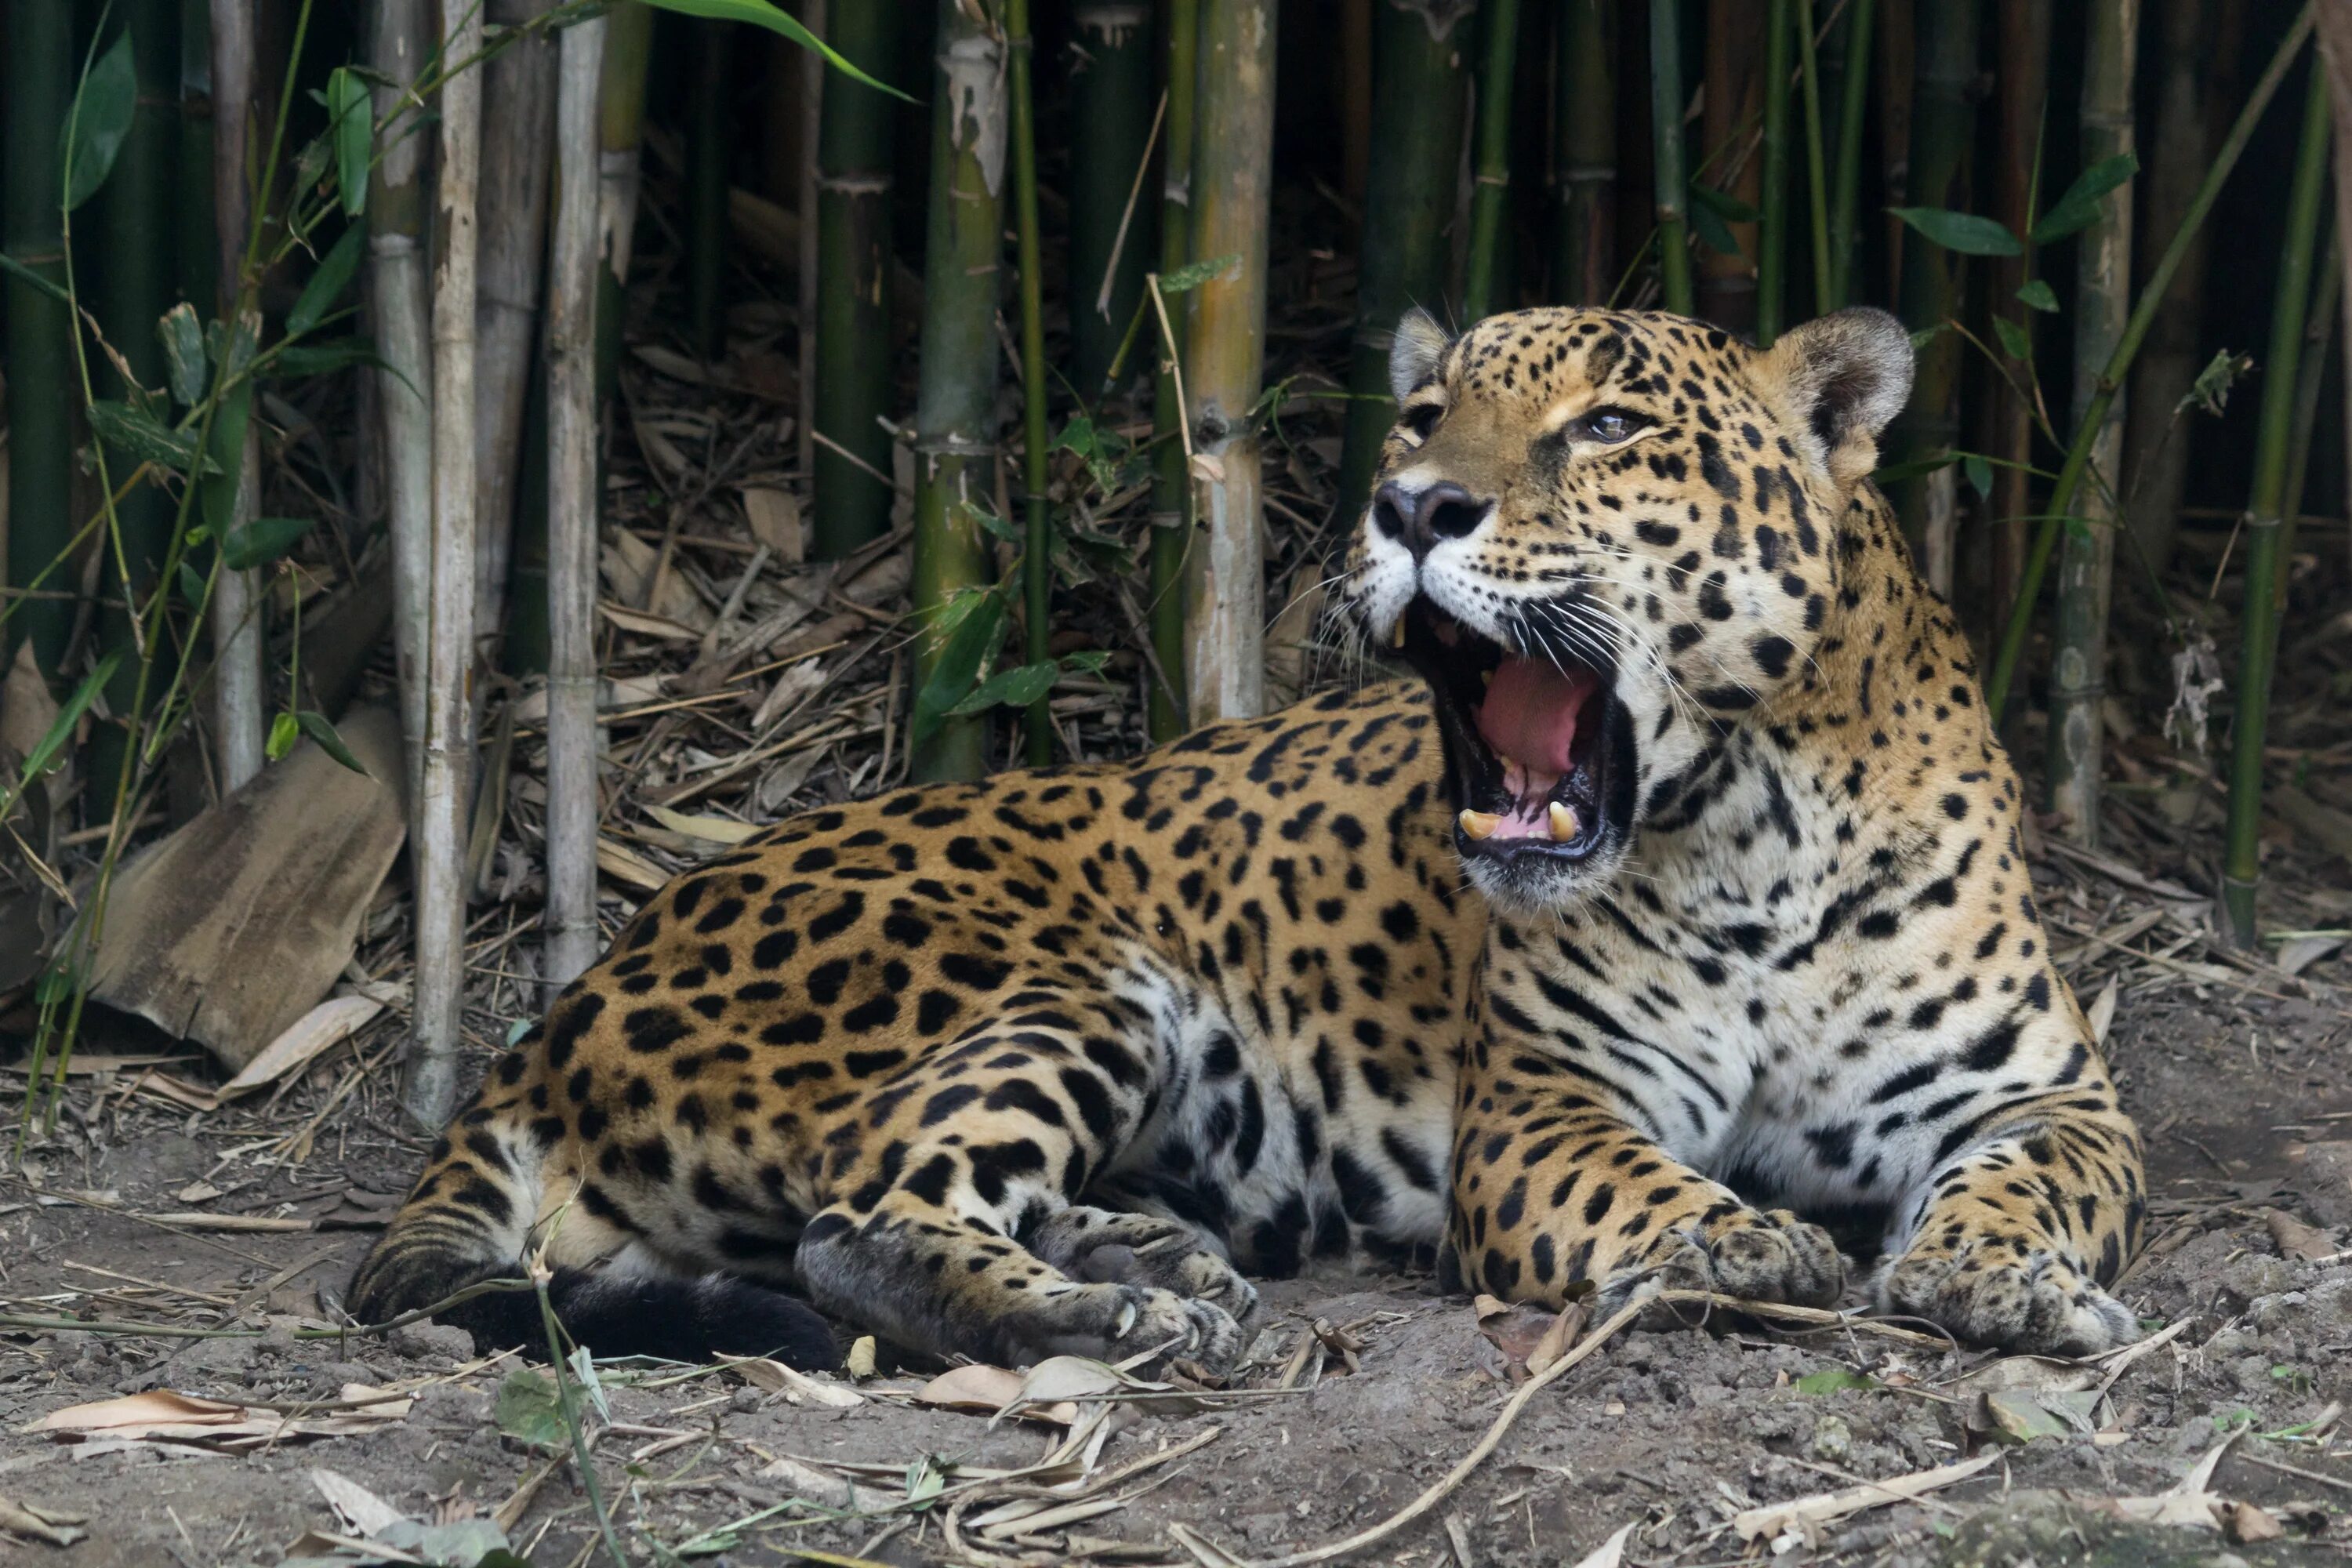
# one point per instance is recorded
(1478, 823)
(1564, 825)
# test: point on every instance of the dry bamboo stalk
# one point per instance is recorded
(1233, 169)
(396, 216)
(812, 115)
(518, 115)
(440, 849)
(572, 802)
(620, 120)
(2336, 55)
(240, 685)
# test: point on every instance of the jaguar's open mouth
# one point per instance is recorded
(1538, 749)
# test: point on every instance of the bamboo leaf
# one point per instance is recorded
(1895, 472)
(2037, 294)
(225, 455)
(976, 636)
(98, 121)
(2013, 337)
(352, 119)
(183, 337)
(132, 429)
(262, 541)
(320, 358)
(334, 275)
(1017, 688)
(760, 14)
(1185, 280)
(1979, 475)
(45, 750)
(2079, 208)
(283, 732)
(1965, 232)
(192, 584)
(24, 274)
(1708, 225)
(1728, 207)
(323, 731)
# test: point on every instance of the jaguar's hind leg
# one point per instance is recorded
(945, 1226)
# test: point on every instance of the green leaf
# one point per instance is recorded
(1964, 232)
(760, 14)
(1926, 336)
(2079, 208)
(2037, 294)
(24, 274)
(1724, 205)
(1894, 473)
(327, 284)
(1186, 279)
(98, 121)
(1833, 1380)
(1979, 475)
(45, 751)
(261, 541)
(2013, 337)
(353, 124)
(2210, 391)
(1015, 688)
(225, 453)
(283, 732)
(978, 630)
(183, 337)
(297, 360)
(1712, 231)
(317, 726)
(530, 1411)
(192, 584)
(132, 429)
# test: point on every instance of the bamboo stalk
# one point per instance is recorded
(135, 214)
(812, 79)
(1816, 179)
(1037, 547)
(1730, 105)
(573, 274)
(1172, 486)
(518, 118)
(620, 140)
(1355, 25)
(1490, 193)
(240, 682)
(1112, 106)
(2241, 865)
(2110, 383)
(39, 61)
(1422, 89)
(2197, 78)
(1668, 168)
(955, 452)
(197, 251)
(1852, 39)
(2087, 556)
(1943, 132)
(437, 1019)
(1584, 244)
(1772, 234)
(853, 329)
(2336, 56)
(1233, 186)
(2311, 377)
(709, 141)
(400, 43)
(2022, 86)
(1895, 57)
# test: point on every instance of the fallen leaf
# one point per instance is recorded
(644, 624)
(336, 1019)
(986, 1390)
(794, 683)
(56, 1528)
(164, 1416)
(1520, 1332)
(860, 1362)
(775, 518)
(2296, 1239)
(2102, 1013)
(715, 829)
(627, 867)
(1774, 1519)
(630, 564)
(1611, 1553)
(354, 1503)
(2247, 1523)
(797, 1388)
(1833, 1380)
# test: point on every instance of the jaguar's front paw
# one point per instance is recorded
(1112, 1322)
(1753, 1254)
(1991, 1292)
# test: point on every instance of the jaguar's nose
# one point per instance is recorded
(1419, 518)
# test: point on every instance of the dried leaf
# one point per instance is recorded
(2248, 1523)
(2102, 1013)
(1777, 1519)
(775, 518)
(714, 830)
(1611, 1553)
(164, 1416)
(860, 1362)
(797, 1388)
(2297, 1240)
(41, 1523)
(335, 1019)
(986, 1391)
(358, 1507)
(627, 866)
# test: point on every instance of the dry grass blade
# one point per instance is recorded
(1805, 1514)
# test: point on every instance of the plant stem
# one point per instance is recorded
(1816, 187)
(568, 1400)
(1672, 184)
(1584, 250)
(2151, 298)
(39, 60)
(1773, 235)
(2022, 93)
(1171, 487)
(853, 329)
(240, 682)
(1112, 102)
(575, 274)
(2241, 865)
(955, 452)
(2087, 556)
(1490, 193)
(1037, 549)
(1853, 100)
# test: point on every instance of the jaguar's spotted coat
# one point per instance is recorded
(1045, 1062)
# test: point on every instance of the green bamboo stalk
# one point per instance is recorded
(1171, 487)
(710, 139)
(197, 257)
(2087, 556)
(2022, 92)
(39, 62)
(1584, 235)
(136, 284)
(1111, 116)
(1490, 195)
(2110, 383)
(1943, 139)
(955, 454)
(1853, 39)
(1037, 550)
(2241, 866)
(1817, 184)
(1421, 87)
(853, 327)
(1667, 159)
(1773, 235)
(620, 138)
(2318, 338)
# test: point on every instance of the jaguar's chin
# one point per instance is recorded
(1540, 758)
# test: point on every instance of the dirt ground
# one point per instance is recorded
(2247, 1096)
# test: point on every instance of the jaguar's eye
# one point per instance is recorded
(1610, 426)
(1421, 418)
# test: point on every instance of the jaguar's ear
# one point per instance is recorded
(1420, 343)
(1850, 374)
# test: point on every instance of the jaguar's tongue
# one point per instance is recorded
(1530, 712)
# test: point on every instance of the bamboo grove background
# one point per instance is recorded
(580, 380)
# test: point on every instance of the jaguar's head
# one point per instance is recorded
(1603, 538)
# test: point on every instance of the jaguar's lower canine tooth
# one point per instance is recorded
(1396, 633)
(1563, 822)
(1479, 824)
